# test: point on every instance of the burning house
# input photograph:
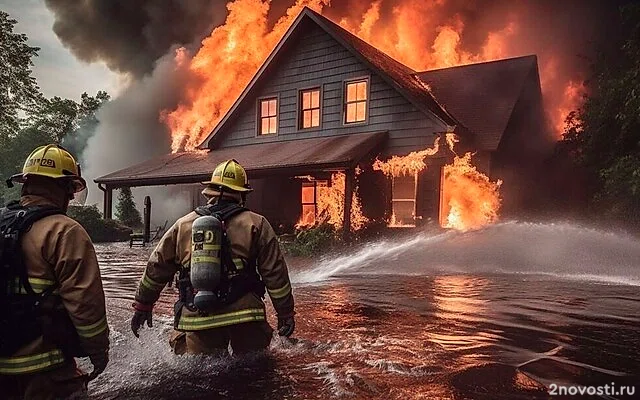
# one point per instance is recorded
(332, 129)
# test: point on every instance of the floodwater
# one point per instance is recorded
(508, 312)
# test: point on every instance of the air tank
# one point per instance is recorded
(206, 268)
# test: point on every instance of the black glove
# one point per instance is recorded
(286, 325)
(99, 361)
(143, 313)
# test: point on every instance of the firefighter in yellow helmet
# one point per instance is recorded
(225, 257)
(53, 306)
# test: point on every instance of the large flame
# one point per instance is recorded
(407, 165)
(469, 200)
(330, 206)
(233, 52)
(224, 65)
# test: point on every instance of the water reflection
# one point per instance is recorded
(363, 336)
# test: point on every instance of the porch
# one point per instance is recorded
(277, 171)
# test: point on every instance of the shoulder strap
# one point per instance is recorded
(15, 220)
(223, 212)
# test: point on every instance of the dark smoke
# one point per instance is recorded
(130, 35)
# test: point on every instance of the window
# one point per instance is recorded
(310, 108)
(268, 116)
(356, 101)
(310, 191)
(404, 200)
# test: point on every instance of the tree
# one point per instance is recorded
(19, 92)
(126, 210)
(86, 122)
(54, 120)
(603, 137)
(18, 89)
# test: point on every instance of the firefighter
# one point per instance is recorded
(247, 259)
(53, 306)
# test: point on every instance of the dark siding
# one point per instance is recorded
(520, 159)
(316, 59)
(278, 199)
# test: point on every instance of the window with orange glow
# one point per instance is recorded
(356, 94)
(310, 108)
(268, 116)
(404, 200)
(309, 201)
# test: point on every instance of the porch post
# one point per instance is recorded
(348, 195)
(108, 202)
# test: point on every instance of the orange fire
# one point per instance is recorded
(224, 65)
(408, 165)
(330, 206)
(573, 98)
(233, 52)
(469, 200)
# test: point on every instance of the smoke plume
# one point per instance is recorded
(130, 131)
(130, 35)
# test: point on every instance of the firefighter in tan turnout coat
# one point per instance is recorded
(206, 321)
(53, 303)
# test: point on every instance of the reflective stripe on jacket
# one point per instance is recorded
(198, 323)
(251, 237)
(32, 363)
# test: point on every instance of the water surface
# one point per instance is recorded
(502, 313)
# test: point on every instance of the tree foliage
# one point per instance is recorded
(18, 89)
(100, 230)
(27, 118)
(604, 135)
(126, 210)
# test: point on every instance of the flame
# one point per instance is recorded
(473, 201)
(330, 206)
(407, 165)
(469, 199)
(573, 98)
(416, 33)
(223, 67)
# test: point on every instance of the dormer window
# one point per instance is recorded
(355, 102)
(268, 121)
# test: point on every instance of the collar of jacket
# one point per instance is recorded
(43, 194)
(38, 200)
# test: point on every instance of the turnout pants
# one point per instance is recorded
(64, 382)
(244, 338)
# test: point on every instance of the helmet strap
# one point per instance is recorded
(221, 191)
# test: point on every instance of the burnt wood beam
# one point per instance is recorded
(348, 196)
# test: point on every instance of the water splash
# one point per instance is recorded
(557, 250)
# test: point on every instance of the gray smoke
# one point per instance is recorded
(130, 131)
(130, 35)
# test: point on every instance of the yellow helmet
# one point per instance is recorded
(52, 161)
(231, 175)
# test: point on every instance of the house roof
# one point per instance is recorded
(398, 75)
(304, 155)
(482, 96)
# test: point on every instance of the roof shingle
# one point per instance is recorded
(307, 155)
(482, 96)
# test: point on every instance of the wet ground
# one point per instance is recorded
(504, 313)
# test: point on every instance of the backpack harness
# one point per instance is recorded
(235, 282)
(20, 319)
